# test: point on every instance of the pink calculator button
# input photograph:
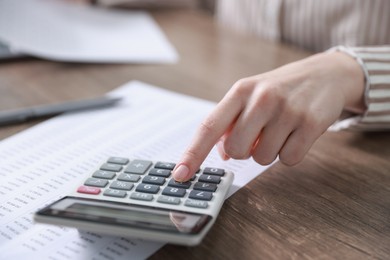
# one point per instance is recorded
(88, 190)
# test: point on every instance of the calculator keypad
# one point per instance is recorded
(142, 180)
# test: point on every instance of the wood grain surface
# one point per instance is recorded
(333, 205)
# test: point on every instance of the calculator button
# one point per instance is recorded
(148, 188)
(115, 193)
(96, 182)
(196, 204)
(172, 191)
(205, 186)
(138, 166)
(160, 172)
(153, 180)
(169, 200)
(103, 174)
(128, 177)
(184, 185)
(214, 171)
(209, 178)
(121, 185)
(111, 167)
(165, 165)
(88, 190)
(200, 195)
(118, 160)
(141, 196)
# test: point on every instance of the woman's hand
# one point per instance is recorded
(278, 113)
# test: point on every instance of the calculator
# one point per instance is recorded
(139, 198)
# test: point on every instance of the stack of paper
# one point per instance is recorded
(59, 30)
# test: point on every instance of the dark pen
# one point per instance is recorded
(21, 115)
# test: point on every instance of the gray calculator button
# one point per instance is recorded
(169, 200)
(184, 185)
(160, 172)
(165, 165)
(95, 182)
(128, 177)
(153, 180)
(209, 178)
(111, 167)
(196, 204)
(205, 186)
(141, 196)
(103, 174)
(200, 195)
(148, 188)
(214, 171)
(115, 193)
(118, 160)
(138, 166)
(121, 185)
(172, 191)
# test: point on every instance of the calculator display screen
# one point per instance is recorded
(127, 215)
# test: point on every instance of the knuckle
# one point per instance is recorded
(312, 123)
(233, 151)
(270, 92)
(242, 87)
(290, 159)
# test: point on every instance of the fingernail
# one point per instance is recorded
(181, 173)
(221, 151)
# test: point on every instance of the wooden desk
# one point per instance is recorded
(335, 204)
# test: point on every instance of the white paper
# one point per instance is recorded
(45, 163)
(58, 30)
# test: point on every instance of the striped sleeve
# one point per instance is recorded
(375, 62)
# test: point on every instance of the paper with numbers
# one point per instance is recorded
(45, 162)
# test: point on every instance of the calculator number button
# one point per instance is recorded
(184, 185)
(115, 193)
(88, 190)
(121, 185)
(148, 188)
(214, 171)
(205, 186)
(200, 195)
(209, 178)
(160, 172)
(172, 191)
(153, 180)
(96, 182)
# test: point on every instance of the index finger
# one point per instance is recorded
(208, 133)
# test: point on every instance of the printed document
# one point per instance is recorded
(46, 162)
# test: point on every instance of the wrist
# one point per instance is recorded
(352, 80)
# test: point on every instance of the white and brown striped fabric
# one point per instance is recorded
(319, 25)
(376, 64)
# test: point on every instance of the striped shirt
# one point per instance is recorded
(319, 25)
